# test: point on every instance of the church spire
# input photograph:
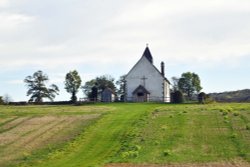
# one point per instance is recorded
(147, 54)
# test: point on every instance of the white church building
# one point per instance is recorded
(144, 82)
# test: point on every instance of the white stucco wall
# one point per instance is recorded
(154, 83)
(166, 91)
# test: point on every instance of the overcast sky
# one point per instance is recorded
(96, 37)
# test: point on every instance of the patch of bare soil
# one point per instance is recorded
(223, 164)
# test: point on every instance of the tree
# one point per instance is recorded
(189, 83)
(37, 87)
(7, 99)
(72, 84)
(94, 93)
(175, 81)
(121, 83)
(1, 100)
(102, 82)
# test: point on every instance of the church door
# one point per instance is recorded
(140, 94)
(141, 97)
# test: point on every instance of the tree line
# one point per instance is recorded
(185, 87)
(38, 90)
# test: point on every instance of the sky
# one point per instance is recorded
(97, 37)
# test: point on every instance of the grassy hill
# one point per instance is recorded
(103, 134)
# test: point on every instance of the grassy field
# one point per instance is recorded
(125, 135)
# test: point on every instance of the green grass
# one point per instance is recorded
(140, 133)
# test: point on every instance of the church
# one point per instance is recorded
(145, 83)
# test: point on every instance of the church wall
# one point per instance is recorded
(166, 91)
(154, 82)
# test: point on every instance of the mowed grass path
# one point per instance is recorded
(147, 134)
(103, 140)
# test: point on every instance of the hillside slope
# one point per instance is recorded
(232, 96)
(140, 134)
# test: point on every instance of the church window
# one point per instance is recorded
(140, 94)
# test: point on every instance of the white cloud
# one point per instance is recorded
(12, 21)
(4, 3)
(179, 31)
(97, 37)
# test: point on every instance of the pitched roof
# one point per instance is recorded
(108, 90)
(142, 88)
(148, 55)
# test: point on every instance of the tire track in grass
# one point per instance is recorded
(13, 123)
(20, 147)
(13, 150)
(46, 131)
(17, 133)
(7, 120)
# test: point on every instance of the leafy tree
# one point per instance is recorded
(175, 81)
(37, 88)
(189, 83)
(1, 100)
(121, 83)
(72, 84)
(87, 88)
(94, 93)
(102, 82)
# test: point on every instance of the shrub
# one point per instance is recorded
(166, 152)
(157, 142)
(248, 126)
(234, 135)
(137, 147)
(224, 112)
(129, 154)
(236, 113)
(201, 97)
(177, 97)
(229, 109)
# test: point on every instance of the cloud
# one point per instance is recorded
(97, 37)
(4, 3)
(13, 21)
(178, 32)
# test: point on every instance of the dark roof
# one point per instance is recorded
(148, 55)
(108, 90)
(142, 88)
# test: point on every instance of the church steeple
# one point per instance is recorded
(147, 54)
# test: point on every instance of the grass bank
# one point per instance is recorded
(136, 133)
